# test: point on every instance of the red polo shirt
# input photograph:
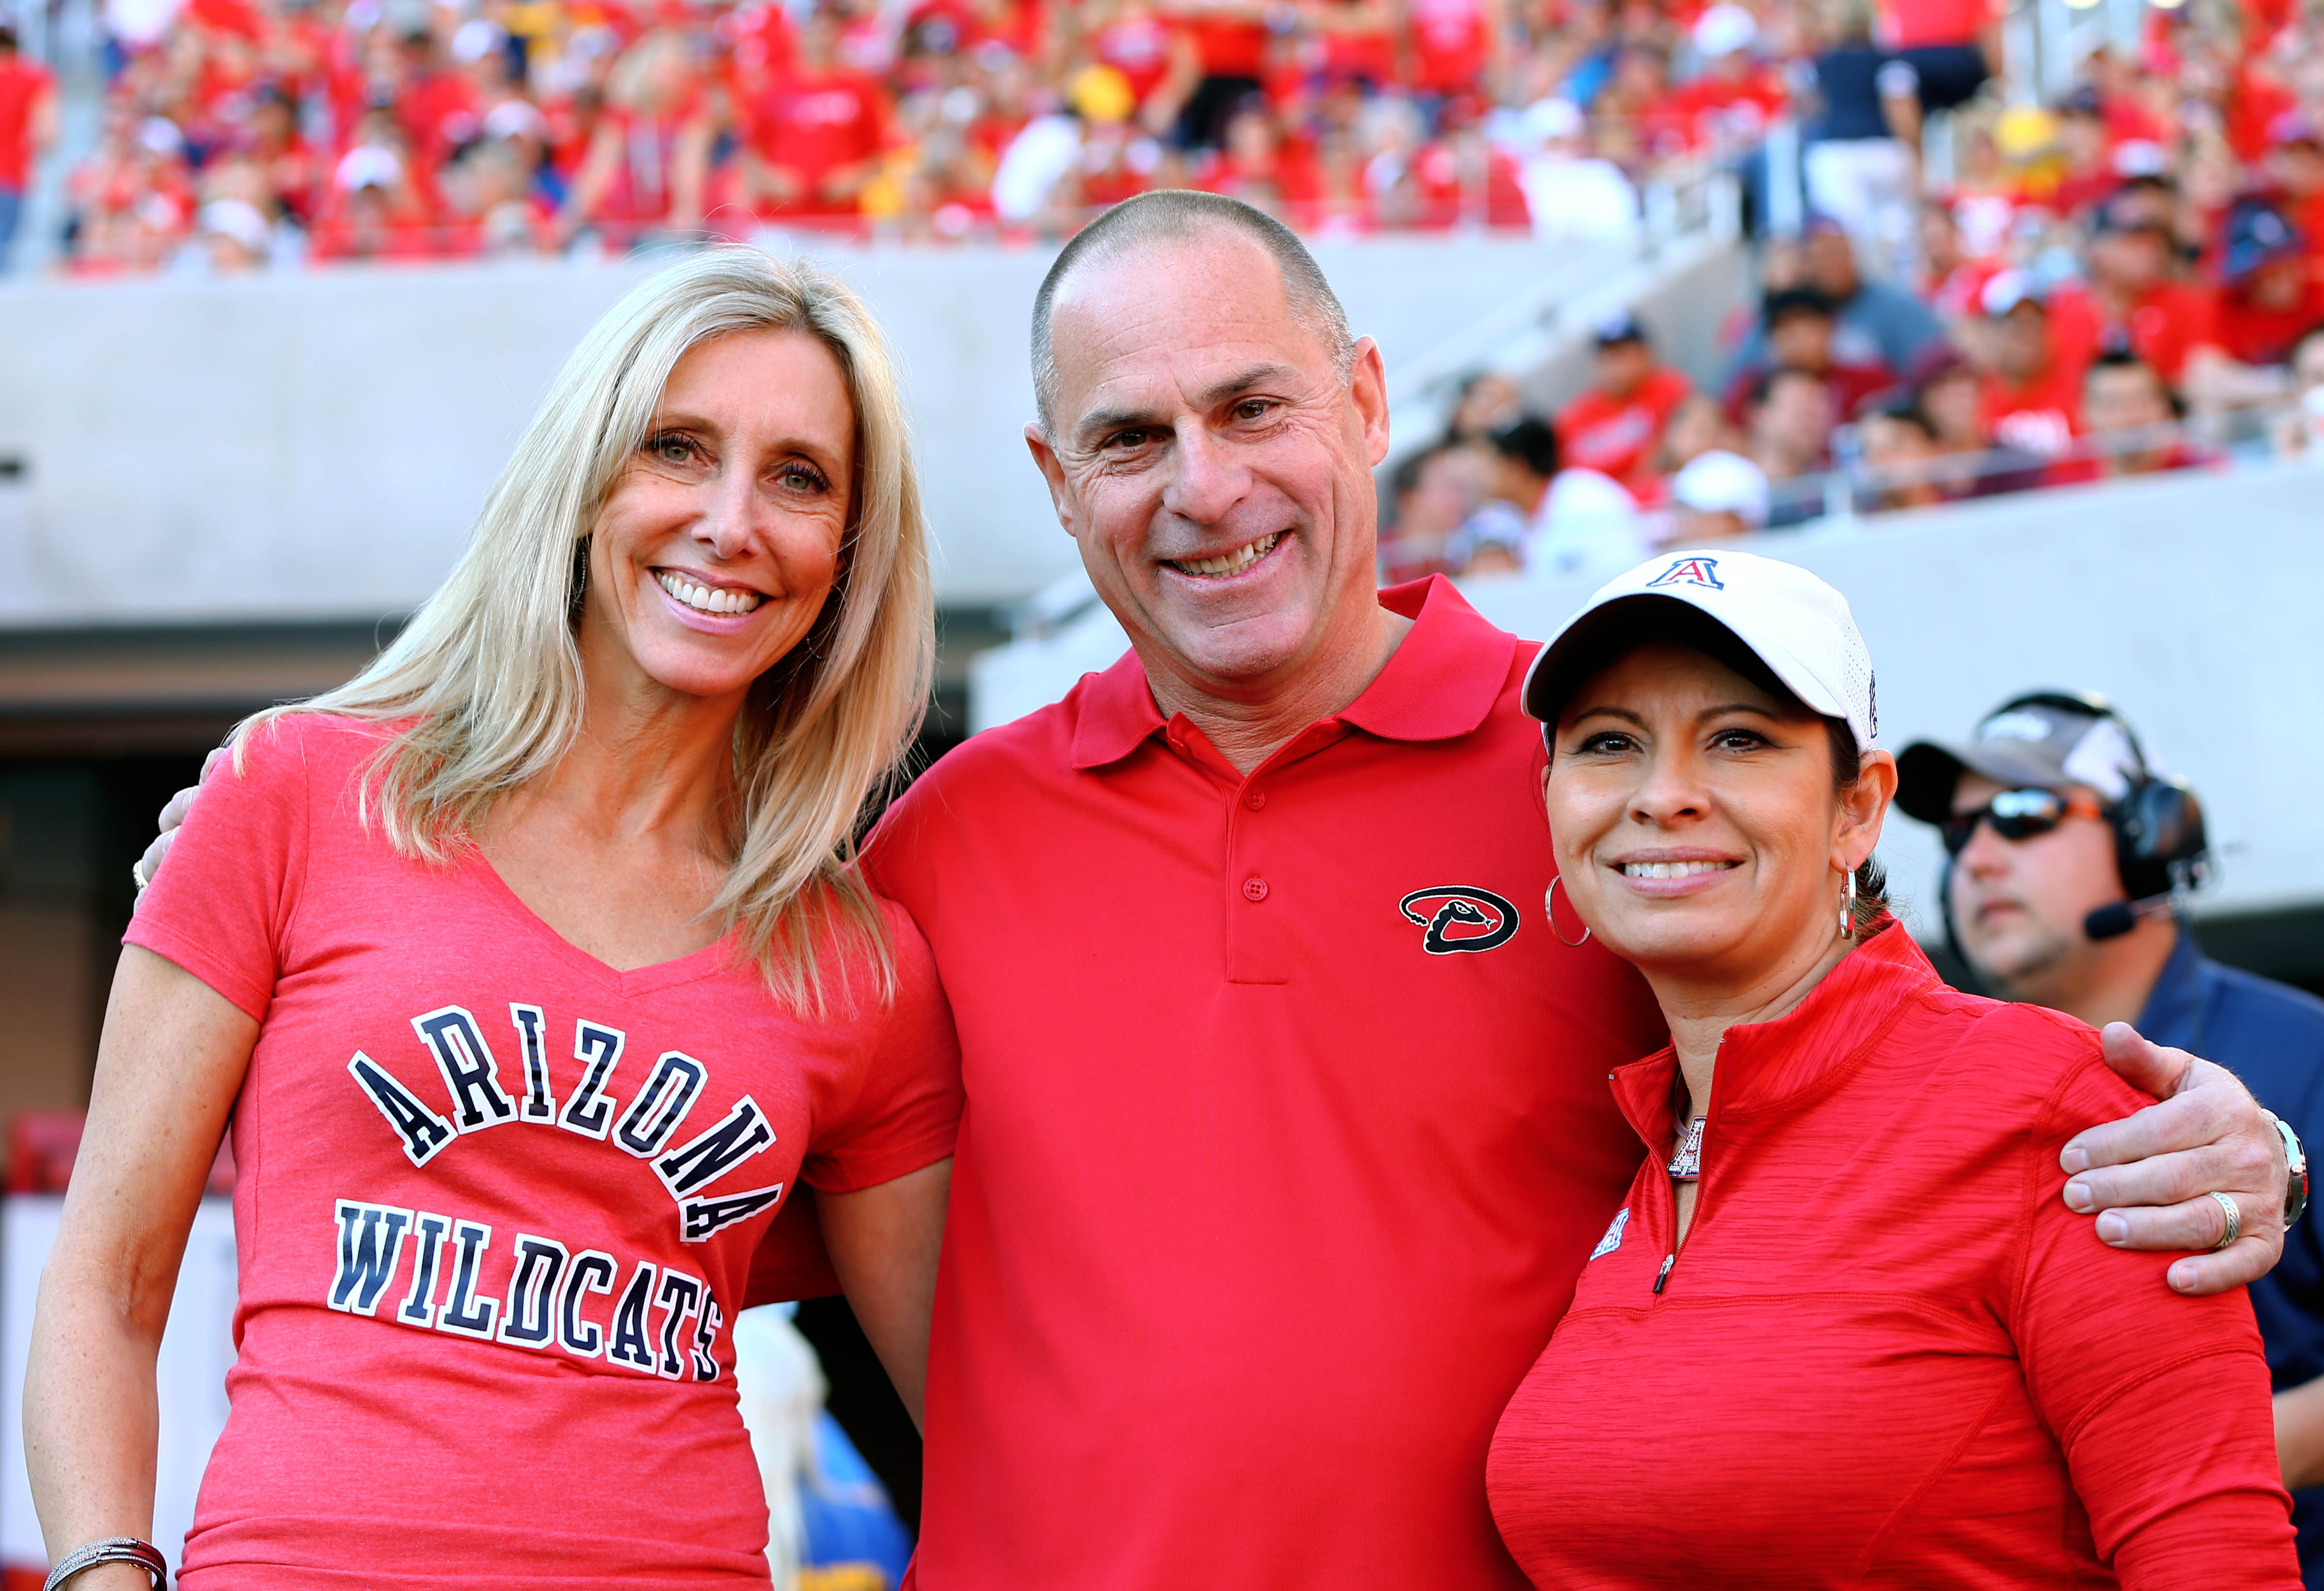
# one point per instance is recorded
(1287, 1131)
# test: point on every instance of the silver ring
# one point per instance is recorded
(2235, 1222)
(137, 871)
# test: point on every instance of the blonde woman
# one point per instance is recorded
(533, 971)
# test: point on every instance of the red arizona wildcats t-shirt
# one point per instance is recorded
(496, 1202)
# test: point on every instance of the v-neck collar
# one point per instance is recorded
(710, 960)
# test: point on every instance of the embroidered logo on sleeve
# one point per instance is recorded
(1612, 1240)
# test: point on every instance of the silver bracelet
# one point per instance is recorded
(112, 1550)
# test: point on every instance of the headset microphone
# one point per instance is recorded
(2112, 922)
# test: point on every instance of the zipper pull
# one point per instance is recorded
(1663, 1275)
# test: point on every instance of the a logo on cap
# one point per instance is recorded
(1690, 571)
(1459, 918)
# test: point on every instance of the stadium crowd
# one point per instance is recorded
(2124, 283)
(239, 132)
(2040, 294)
(410, 129)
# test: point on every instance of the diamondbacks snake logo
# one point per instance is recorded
(1459, 918)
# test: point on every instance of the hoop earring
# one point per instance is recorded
(1848, 905)
(1549, 910)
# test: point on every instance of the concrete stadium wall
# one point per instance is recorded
(2190, 600)
(314, 446)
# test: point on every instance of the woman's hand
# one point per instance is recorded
(883, 1242)
(168, 1067)
(2149, 1178)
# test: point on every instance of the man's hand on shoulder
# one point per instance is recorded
(2149, 1178)
(172, 815)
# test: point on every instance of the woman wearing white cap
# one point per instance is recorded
(1780, 1368)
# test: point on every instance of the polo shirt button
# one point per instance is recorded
(1254, 799)
(1254, 889)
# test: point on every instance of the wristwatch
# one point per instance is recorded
(2295, 1161)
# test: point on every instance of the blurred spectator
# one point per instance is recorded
(1950, 277)
(1729, 105)
(1950, 396)
(1788, 418)
(2271, 294)
(2085, 145)
(1901, 452)
(1454, 47)
(2300, 431)
(2032, 397)
(1230, 39)
(647, 165)
(1571, 192)
(1718, 495)
(1860, 168)
(1487, 400)
(1878, 325)
(2129, 407)
(1879, 322)
(1545, 519)
(234, 237)
(1697, 426)
(28, 126)
(1434, 489)
(811, 139)
(1616, 426)
(1798, 324)
(1946, 49)
(2293, 171)
(1946, 391)
(2129, 292)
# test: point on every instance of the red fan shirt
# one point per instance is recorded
(1841, 1382)
(2167, 324)
(23, 84)
(814, 123)
(496, 1201)
(1450, 45)
(1617, 436)
(1915, 24)
(2258, 334)
(2043, 415)
(1228, 46)
(1138, 47)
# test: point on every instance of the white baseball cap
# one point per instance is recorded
(1724, 29)
(1794, 623)
(1722, 482)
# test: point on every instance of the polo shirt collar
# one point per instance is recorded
(1442, 683)
(1445, 678)
(1117, 715)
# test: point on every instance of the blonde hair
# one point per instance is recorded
(489, 670)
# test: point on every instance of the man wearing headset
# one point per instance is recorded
(2068, 859)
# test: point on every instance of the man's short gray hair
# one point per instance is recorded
(1175, 214)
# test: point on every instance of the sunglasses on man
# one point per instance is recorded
(2018, 815)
